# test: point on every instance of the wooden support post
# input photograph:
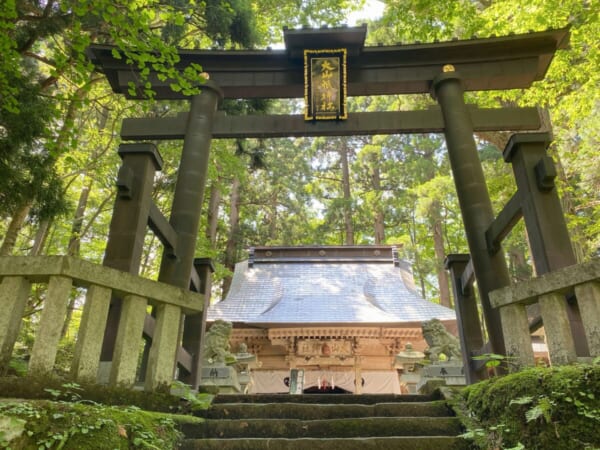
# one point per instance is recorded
(588, 299)
(161, 360)
(467, 316)
(517, 337)
(475, 204)
(561, 346)
(129, 341)
(132, 206)
(129, 221)
(91, 330)
(544, 219)
(14, 292)
(47, 337)
(195, 324)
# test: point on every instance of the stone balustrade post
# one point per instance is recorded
(588, 299)
(561, 346)
(43, 354)
(161, 360)
(14, 292)
(516, 336)
(128, 341)
(91, 331)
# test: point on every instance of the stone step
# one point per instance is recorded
(327, 428)
(364, 399)
(372, 443)
(309, 411)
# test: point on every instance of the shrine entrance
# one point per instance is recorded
(446, 70)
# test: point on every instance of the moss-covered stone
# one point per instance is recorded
(55, 388)
(541, 408)
(376, 443)
(78, 426)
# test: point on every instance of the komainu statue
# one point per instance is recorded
(440, 341)
(216, 343)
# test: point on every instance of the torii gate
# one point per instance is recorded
(444, 69)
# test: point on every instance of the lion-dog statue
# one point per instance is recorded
(216, 343)
(440, 341)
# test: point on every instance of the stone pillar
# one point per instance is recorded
(517, 337)
(14, 292)
(129, 340)
(89, 337)
(129, 221)
(467, 316)
(43, 353)
(164, 347)
(189, 190)
(561, 346)
(588, 298)
(476, 208)
(544, 218)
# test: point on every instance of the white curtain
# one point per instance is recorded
(381, 382)
(274, 381)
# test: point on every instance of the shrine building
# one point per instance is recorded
(341, 314)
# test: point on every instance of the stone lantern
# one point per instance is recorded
(407, 362)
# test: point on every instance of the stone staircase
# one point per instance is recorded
(315, 422)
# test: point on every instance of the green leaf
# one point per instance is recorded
(521, 401)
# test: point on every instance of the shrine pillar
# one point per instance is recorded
(491, 271)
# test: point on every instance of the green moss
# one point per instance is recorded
(53, 388)
(77, 426)
(540, 408)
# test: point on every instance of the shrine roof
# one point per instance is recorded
(325, 285)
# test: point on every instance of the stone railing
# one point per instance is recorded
(552, 292)
(61, 274)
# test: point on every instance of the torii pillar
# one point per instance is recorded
(491, 271)
(185, 216)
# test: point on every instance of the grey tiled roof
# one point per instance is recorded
(332, 292)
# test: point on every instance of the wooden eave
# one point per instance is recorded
(496, 63)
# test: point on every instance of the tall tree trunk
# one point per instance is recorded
(232, 239)
(149, 256)
(273, 202)
(379, 216)
(440, 255)
(15, 225)
(348, 227)
(75, 245)
(77, 225)
(417, 263)
(517, 263)
(213, 214)
(41, 236)
(568, 206)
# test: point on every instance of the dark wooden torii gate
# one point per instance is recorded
(444, 69)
